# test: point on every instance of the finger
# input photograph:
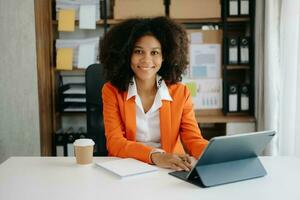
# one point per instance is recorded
(186, 158)
(189, 158)
(188, 165)
(175, 167)
(183, 165)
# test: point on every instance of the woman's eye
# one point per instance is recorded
(155, 52)
(137, 51)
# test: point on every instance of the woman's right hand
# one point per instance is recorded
(172, 161)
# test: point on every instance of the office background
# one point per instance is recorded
(20, 131)
(277, 77)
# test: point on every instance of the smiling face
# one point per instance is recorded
(146, 58)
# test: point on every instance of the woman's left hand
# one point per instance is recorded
(173, 161)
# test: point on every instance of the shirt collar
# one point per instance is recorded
(161, 85)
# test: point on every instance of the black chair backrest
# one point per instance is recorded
(94, 81)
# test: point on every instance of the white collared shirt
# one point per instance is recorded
(148, 124)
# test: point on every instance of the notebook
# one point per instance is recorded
(127, 167)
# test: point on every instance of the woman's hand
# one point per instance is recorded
(173, 161)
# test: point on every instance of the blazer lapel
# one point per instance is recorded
(165, 125)
(130, 118)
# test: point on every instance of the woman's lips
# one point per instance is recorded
(145, 68)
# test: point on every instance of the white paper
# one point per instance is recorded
(70, 149)
(87, 17)
(233, 102)
(86, 55)
(75, 89)
(244, 54)
(208, 93)
(75, 5)
(233, 54)
(244, 102)
(75, 43)
(244, 7)
(233, 7)
(127, 167)
(79, 100)
(75, 109)
(205, 61)
(59, 151)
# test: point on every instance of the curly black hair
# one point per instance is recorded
(118, 43)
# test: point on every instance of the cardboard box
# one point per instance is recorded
(195, 9)
(138, 8)
(198, 36)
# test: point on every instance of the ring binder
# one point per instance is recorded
(233, 8)
(244, 50)
(232, 50)
(60, 148)
(244, 7)
(233, 98)
(244, 97)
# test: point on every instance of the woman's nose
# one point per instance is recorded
(147, 57)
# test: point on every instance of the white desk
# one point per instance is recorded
(43, 178)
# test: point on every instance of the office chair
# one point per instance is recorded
(95, 128)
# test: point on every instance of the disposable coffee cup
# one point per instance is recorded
(84, 151)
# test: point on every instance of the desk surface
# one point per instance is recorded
(60, 178)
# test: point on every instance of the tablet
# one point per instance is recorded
(229, 159)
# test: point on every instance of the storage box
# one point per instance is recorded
(138, 8)
(195, 9)
(198, 36)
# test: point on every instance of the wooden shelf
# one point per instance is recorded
(183, 21)
(238, 19)
(217, 116)
(206, 20)
(58, 114)
(197, 21)
(98, 22)
(234, 67)
(72, 70)
(187, 21)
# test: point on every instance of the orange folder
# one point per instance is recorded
(66, 20)
(64, 58)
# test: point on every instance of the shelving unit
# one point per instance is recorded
(238, 74)
(46, 33)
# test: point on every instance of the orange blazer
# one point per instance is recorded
(178, 127)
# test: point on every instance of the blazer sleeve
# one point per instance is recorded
(117, 143)
(190, 133)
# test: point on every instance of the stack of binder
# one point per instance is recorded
(73, 97)
(238, 54)
(64, 139)
(238, 98)
(238, 50)
(238, 8)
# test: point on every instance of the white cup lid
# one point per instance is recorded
(84, 142)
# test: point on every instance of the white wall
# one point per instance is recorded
(19, 112)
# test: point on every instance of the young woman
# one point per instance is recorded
(148, 113)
